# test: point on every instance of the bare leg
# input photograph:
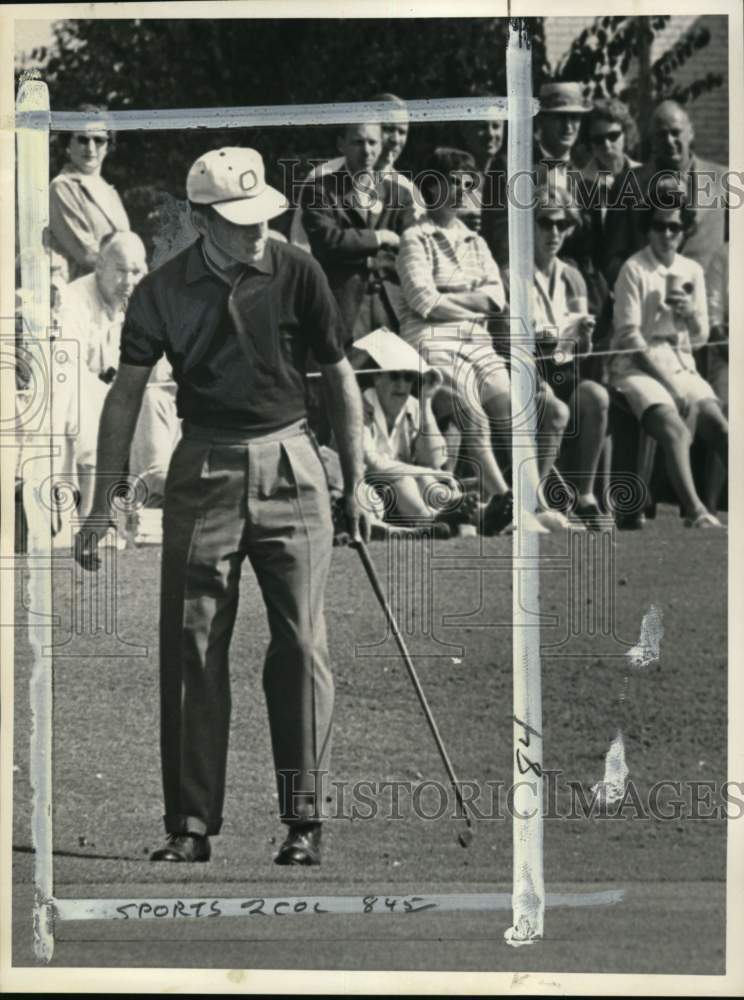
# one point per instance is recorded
(580, 456)
(666, 426)
(551, 426)
(476, 431)
(713, 429)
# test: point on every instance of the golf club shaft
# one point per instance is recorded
(361, 547)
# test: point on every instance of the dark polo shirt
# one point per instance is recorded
(249, 377)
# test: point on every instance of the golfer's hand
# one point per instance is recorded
(86, 544)
(357, 519)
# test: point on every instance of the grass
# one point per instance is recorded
(672, 715)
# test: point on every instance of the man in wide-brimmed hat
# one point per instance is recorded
(237, 315)
(562, 108)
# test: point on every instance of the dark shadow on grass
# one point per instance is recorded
(24, 849)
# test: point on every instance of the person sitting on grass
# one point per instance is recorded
(404, 451)
(662, 313)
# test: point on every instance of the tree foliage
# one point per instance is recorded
(141, 64)
(602, 54)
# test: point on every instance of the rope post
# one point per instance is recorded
(33, 222)
(528, 894)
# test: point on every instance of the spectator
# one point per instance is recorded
(661, 312)
(717, 367)
(83, 207)
(609, 130)
(673, 163)
(394, 136)
(451, 287)
(404, 451)
(92, 314)
(562, 108)
(354, 221)
(564, 327)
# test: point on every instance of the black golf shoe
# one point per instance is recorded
(183, 847)
(302, 846)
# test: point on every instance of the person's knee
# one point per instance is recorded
(712, 423)
(668, 428)
(556, 415)
(594, 397)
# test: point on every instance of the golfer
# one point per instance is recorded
(237, 314)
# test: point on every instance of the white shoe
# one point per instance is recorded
(553, 520)
(530, 522)
(112, 540)
(703, 520)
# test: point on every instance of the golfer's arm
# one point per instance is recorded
(116, 430)
(345, 406)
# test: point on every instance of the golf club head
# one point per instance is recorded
(465, 838)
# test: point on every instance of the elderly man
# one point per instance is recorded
(673, 164)
(91, 313)
(237, 315)
(354, 217)
(394, 137)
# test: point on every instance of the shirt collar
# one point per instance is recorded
(457, 233)
(197, 266)
(379, 414)
(558, 160)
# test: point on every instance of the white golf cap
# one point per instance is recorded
(392, 353)
(232, 180)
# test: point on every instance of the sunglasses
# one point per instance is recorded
(675, 228)
(599, 140)
(549, 224)
(84, 140)
(465, 181)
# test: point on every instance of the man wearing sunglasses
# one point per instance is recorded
(673, 164)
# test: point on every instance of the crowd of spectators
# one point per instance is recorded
(629, 306)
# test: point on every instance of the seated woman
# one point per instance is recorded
(661, 312)
(451, 288)
(564, 328)
(404, 452)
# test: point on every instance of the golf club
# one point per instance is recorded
(466, 836)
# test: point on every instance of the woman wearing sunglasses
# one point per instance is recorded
(83, 207)
(564, 328)
(452, 289)
(661, 314)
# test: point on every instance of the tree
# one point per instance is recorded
(603, 53)
(142, 64)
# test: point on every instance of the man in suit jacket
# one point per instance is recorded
(353, 217)
(672, 163)
(562, 108)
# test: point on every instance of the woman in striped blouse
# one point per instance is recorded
(451, 288)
